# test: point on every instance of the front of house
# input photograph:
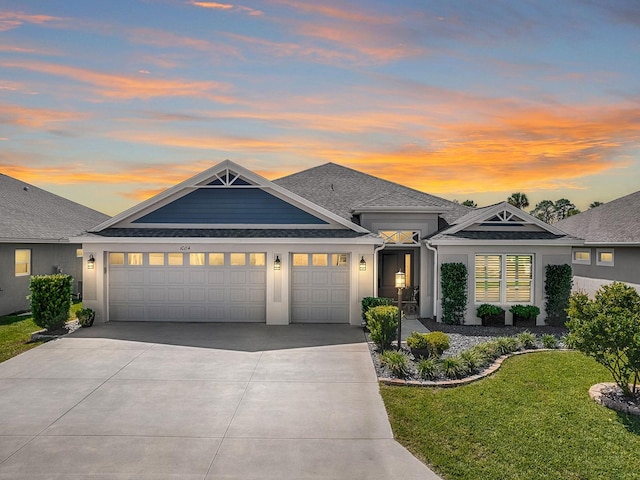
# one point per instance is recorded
(229, 245)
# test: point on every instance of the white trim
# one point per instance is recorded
(531, 243)
(366, 240)
(228, 226)
(35, 240)
(581, 262)
(603, 263)
(400, 209)
(212, 173)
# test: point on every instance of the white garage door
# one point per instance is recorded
(319, 288)
(187, 287)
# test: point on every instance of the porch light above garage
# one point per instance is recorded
(401, 279)
(363, 264)
(277, 263)
(91, 263)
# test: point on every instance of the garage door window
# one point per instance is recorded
(319, 259)
(196, 259)
(134, 259)
(175, 259)
(300, 259)
(339, 259)
(216, 259)
(116, 258)
(156, 259)
(238, 259)
(257, 259)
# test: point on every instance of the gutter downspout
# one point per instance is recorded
(375, 268)
(427, 244)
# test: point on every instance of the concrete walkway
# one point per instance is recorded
(198, 401)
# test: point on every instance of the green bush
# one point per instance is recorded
(397, 361)
(489, 310)
(507, 345)
(428, 369)
(607, 328)
(549, 341)
(434, 342)
(50, 300)
(454, 367)
(490, 350)
(417, 340)
(85, 317)
(525, 311)
(383, 325)
(527, 339)
(453, 285)
(472, 360)
(557, 289)
(370, 302)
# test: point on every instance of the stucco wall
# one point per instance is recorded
(543, 255)
(626, 266)
(44, 260)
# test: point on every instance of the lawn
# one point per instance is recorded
(16, 330)
(533, 419)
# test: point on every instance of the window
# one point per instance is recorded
(319, 259)
(604, 257)
(134, 258)
(504, 278)
(339, 259)
(582, 256)
(216, 259)
(300, 259)
(175, 259)
(402, 237)
(238, 259)
(23, 262)
(257, 259)
(196, 259)
(79, 253)
(116, 258)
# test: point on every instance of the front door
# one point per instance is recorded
(392, 261)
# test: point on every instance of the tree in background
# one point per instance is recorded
(470, 203)
(519, 200)
(595, 204)
(545, 211)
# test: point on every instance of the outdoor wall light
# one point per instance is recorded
(401, 279)
(363, 264)
(91, 263)
(277, 263)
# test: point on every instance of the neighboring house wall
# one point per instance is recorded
(591, 274)
(46, 259)
(543, 255)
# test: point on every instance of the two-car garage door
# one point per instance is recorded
(189, 287)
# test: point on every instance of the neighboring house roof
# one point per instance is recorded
(500, 222)
(615, 222)
(344, 191)
(30, 214)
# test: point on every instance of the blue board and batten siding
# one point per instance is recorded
(231, 206)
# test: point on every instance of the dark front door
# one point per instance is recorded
(392, 261)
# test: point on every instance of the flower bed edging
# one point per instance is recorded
(595, 392)
(490, 370)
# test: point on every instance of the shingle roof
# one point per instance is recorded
(617, 221)
(341, 189)
(502, 235)
(30, 213)
(229, 233)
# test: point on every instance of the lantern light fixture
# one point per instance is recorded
(277, 263)
(363, 264)
(91, 263)
(401, 279)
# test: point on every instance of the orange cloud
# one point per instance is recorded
(226, 6)
(36, 117)
(344, 13)
(122, 87)
(11, 20)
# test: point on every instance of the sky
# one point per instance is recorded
(109, 102)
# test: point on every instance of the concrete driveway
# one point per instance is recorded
(198, 401)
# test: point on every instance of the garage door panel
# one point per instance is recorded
(320, 296)
(197, 293)
(300, 277)
(319, 278)
(339, 278)
(339, 296)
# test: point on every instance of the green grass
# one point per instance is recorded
(533, 419)
(15, 332)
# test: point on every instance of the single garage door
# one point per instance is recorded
(187, 287)
(320, 288)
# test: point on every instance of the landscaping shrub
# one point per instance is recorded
(428, 369)
(85, 317)
(549, 341)
(527, 339)
(525, 311)
(490, 350)
(50, 300)
(397, 361)
(506, 345)
(472, 360)
(383, 325)
(454, 367)
(607, 328)
(453, 284)
(489, 310)
(435, 343)
(557, 289)
(370, 302)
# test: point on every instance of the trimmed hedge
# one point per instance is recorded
(370, 302)
(453, 284)
(383, 325)
(51, 300)
(557, 289)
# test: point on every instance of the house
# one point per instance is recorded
(611, 249)
(230, 245)
(35, 227)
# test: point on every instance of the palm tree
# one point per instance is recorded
(519, 200)
(595, 204)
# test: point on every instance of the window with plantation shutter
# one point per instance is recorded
(519, 275)
(488, 278)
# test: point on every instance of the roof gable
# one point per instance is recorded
(32, 214)
(227, 196)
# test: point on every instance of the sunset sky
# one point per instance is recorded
(109, 102)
